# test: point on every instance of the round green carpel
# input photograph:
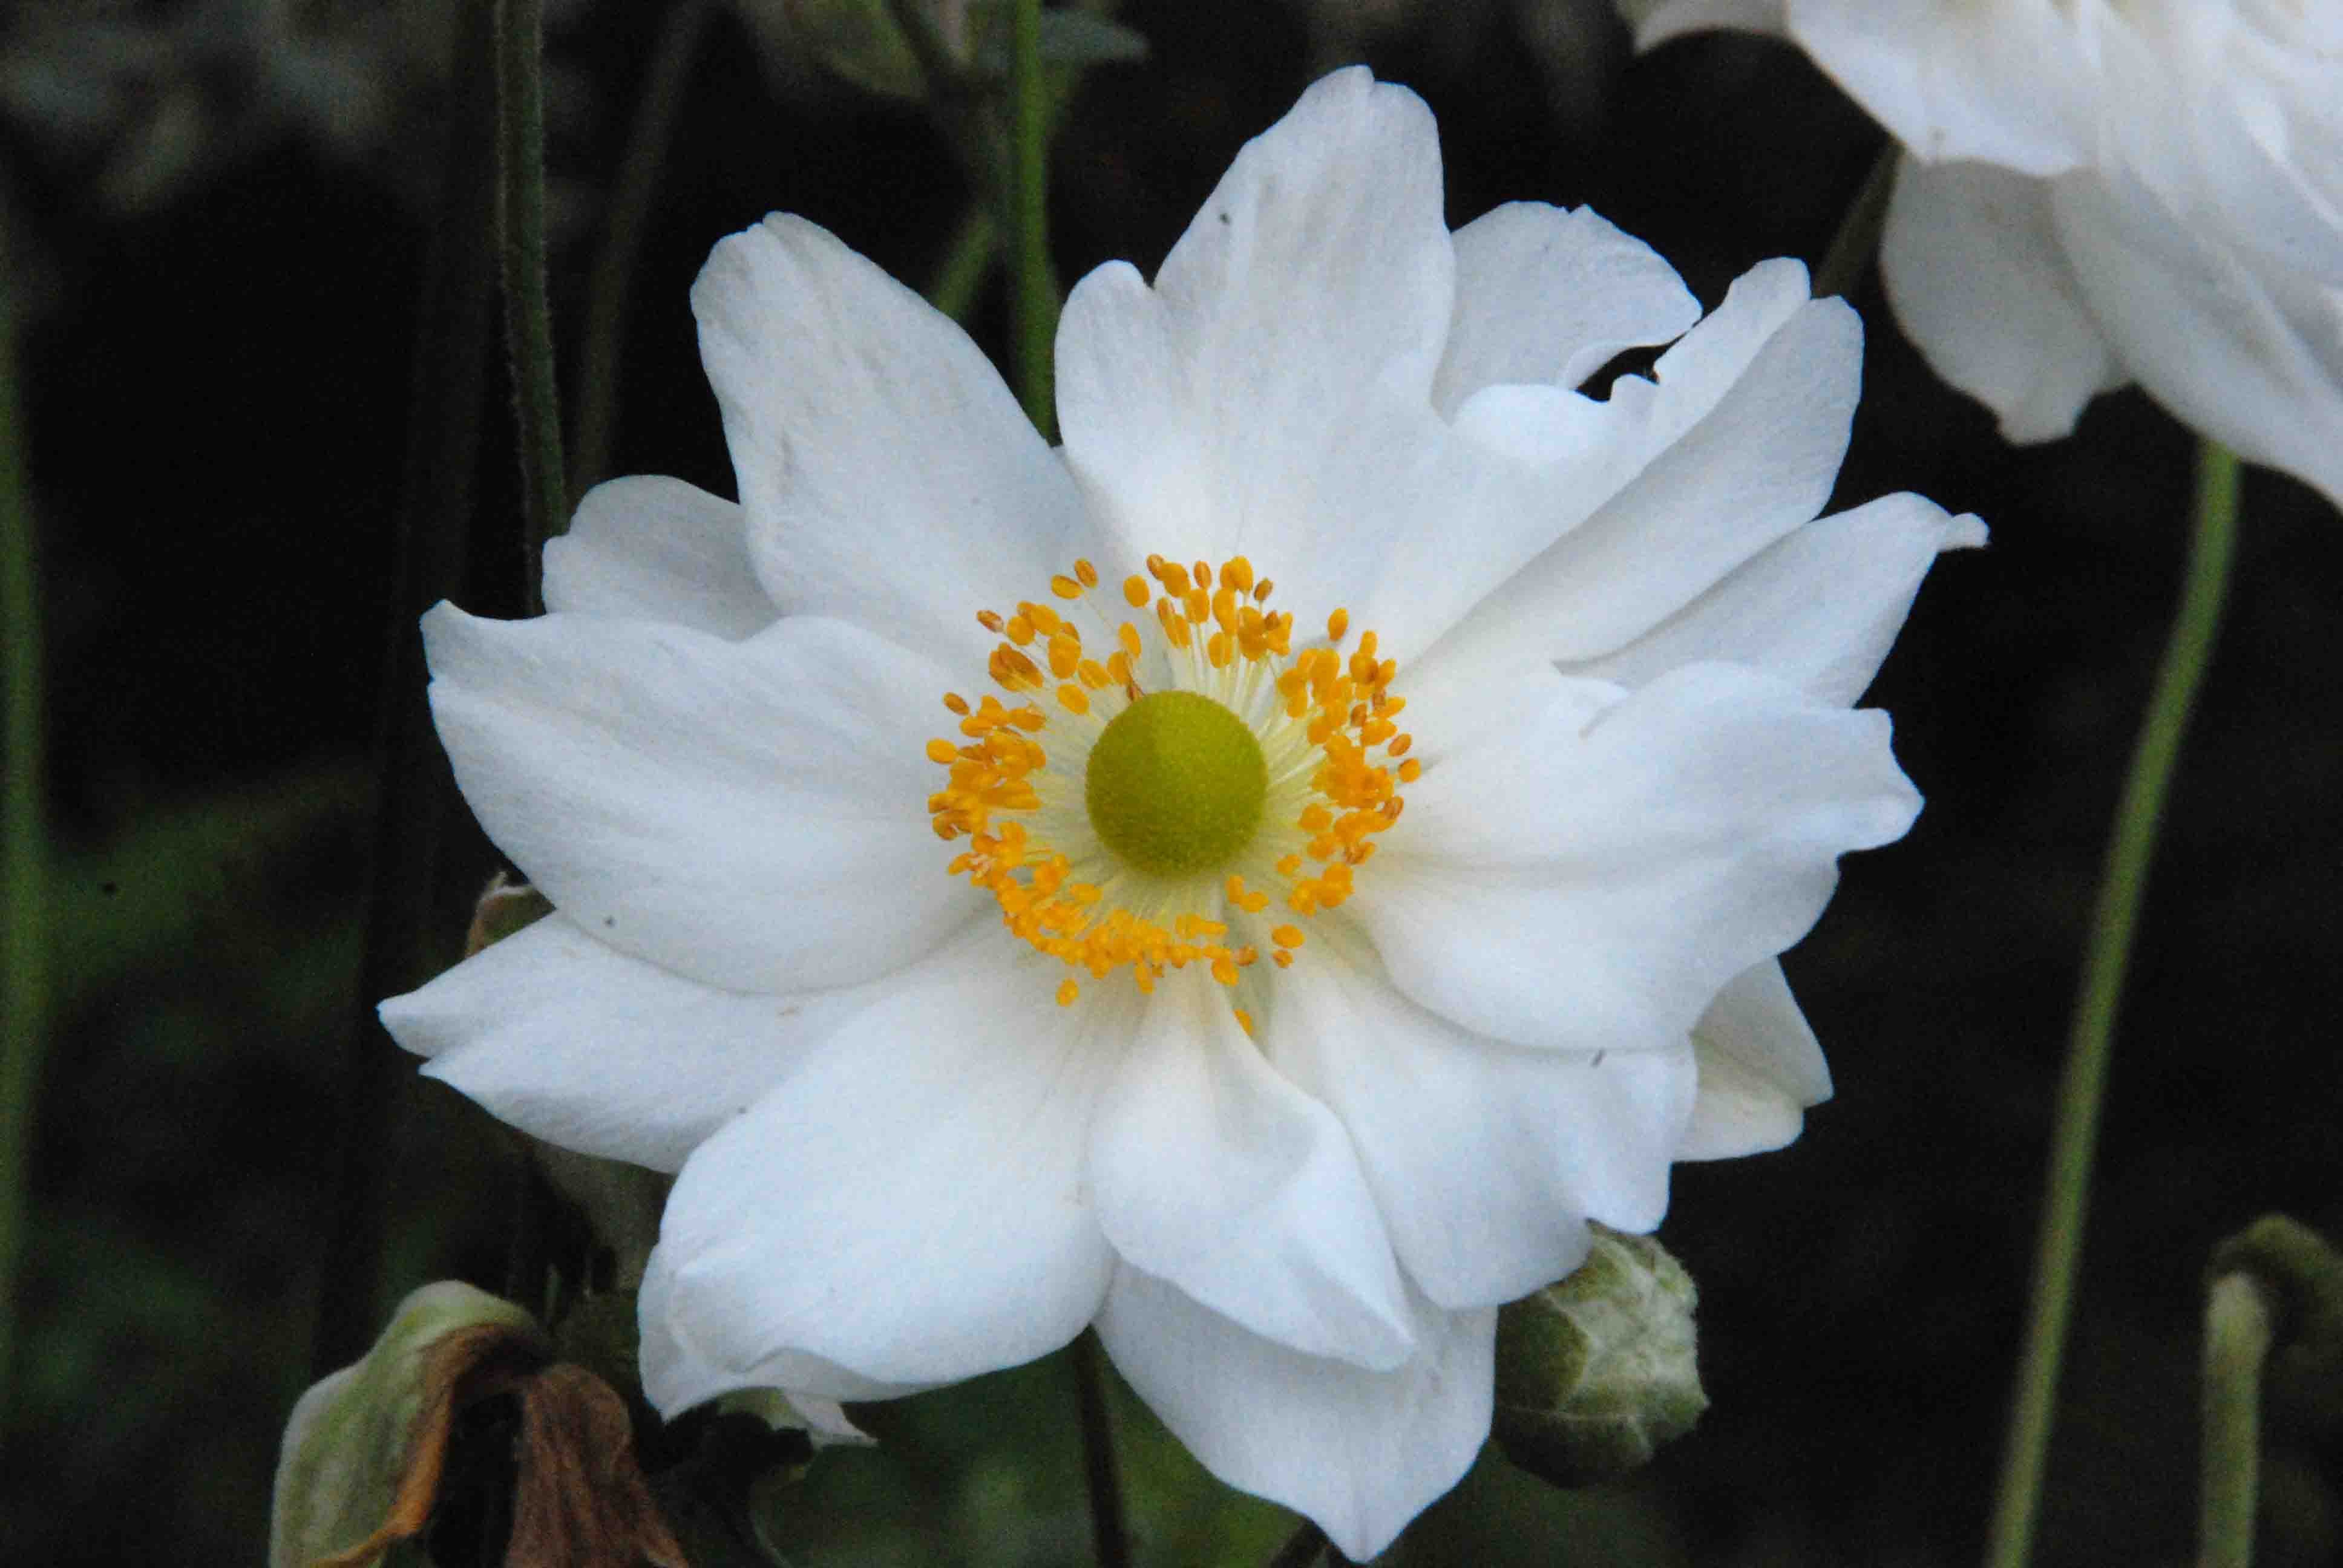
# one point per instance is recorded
(1175, 784)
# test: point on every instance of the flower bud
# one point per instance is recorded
(1596, 1372)
(460, 1398)
(352, 1438)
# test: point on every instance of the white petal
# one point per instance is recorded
(746, 814)
(578, 1044)
(1980, 286)
(907, 1205)
(1736, 443)
(2008, 82)
(1487, 1159)
(1199, 415)
(1818, 608)
(1361, 1452)
(889, 477)
(650, 549)
(1214, 1172)
(1546, 295)
(1593, 886)
(1759, 1068)
(2250, 357)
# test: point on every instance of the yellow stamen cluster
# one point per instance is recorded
(1318, 717)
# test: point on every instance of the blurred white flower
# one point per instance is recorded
(1128, 994)
(2100, 191)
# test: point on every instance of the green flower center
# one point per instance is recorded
(1175, 784)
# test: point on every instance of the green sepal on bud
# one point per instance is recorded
(1595, 1372)
(2301, 1274)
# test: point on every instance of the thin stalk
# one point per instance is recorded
(24, 855)
(2237, 1330)
(1109, 1537)
(1305, 1546)
(2075, 1131)
(967, 263)
(597, 400)
(528, 318)
(447, 380)
(1034, 307)
(1857, 239)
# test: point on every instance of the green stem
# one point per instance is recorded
(2075, 1133)
(966, 264)
(24, 856)
(447, 381)
(2237, 1328)
(631, 195)
(528, 319)
(1109, 1537)
(1857, 239)
(1034, 310)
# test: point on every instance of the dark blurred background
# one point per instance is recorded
(218, 216)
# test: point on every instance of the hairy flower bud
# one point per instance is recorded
(1596, 1372)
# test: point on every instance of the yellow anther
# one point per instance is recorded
(1066, 991)
(1006, 811)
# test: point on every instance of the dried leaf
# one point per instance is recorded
(580, 1501)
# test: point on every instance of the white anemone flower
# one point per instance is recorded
(1125, 993)
(2103, 191)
